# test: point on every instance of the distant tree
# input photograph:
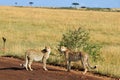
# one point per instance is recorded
(83, 7)
(75, 4)
(31, 3)
(16, 3)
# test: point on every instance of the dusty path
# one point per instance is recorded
(10, 70)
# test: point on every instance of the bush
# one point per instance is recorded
(79, 39)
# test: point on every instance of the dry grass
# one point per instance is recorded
(36, 27)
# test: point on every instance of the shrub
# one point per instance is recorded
(79, 39)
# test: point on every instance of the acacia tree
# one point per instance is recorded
(16, 3)
(31, 3)
(75, 4)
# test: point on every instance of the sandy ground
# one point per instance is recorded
(10, 69)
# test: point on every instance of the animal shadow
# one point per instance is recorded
(51, 69)
(12, 68)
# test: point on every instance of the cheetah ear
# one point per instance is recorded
(65, 47)
(45, 47)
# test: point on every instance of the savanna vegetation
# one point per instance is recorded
(28, 27)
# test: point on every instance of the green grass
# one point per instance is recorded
(27, 28)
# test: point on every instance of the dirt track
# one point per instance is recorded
(10, 70)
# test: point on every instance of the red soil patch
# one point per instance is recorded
(10, 70)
